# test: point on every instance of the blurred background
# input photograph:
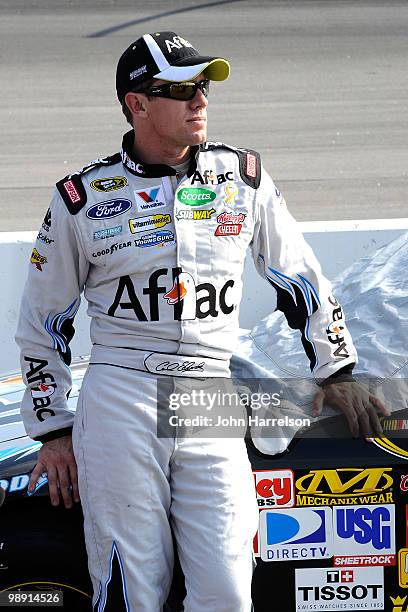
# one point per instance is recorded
(318, 87)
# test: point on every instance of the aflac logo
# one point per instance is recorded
(109, 209)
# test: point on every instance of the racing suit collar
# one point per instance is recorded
(140, 168)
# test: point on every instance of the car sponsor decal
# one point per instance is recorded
(274, 488)
(150, 198)
(345, 486)
(37, 259)
(365, 533)
(141, 224)
(197, 214)
(108, 209)
(334, 589)
(111, 183)
(155, 239)
(195, 196)
(109, 232)
(295, 534)
(19, 484)
(403, 568)
(398, 603)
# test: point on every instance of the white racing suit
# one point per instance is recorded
(160, 263)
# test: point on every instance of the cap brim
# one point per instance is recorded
(215, 69)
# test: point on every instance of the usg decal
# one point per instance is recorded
(365, 532)
(108, 209)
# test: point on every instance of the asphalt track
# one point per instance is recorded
(318, 87)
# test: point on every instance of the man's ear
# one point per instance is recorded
(136, 104)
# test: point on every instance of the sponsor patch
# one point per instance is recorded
(150, 199)
(46, 224)
(111, 183)
(295, 534)
(198, 214)
(118, 246)
(109, 232)
(37, 259)
(72, 192)
(155, 239)
(232, 229)
(208, 177)
(230, 217)
(195, 196)
(364, 532)
(43, 238)
(141, 224)
(137, 72)
(335, 589)
(250, 165)
(108, 209)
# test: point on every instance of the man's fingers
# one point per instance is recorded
(35, 474)
(73, 473)
(375, 421)
(65, 486)
(380, 405)
(53, 485)
(317, 405)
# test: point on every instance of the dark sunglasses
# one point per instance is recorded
(178, 91)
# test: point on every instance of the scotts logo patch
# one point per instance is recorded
(72, 192)
(37, 259)
(141, 224)
(111, 183)
(109, 209)
(193, 196)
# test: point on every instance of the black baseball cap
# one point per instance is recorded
(166, 56)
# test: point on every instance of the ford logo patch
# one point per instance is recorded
(109, 209)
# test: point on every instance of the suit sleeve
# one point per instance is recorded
(51, 298)
(304, 294)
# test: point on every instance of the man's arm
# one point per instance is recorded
(305, 297)
(57, 272)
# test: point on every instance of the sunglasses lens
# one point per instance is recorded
(182, 91)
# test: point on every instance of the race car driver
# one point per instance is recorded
(156, 237)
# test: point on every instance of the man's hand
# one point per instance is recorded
(56, 458)
(357, 404)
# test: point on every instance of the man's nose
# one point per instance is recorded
(199, 100)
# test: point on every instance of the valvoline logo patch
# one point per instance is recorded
(150, 198)
(108, 209)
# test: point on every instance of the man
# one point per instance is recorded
(156, 236)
